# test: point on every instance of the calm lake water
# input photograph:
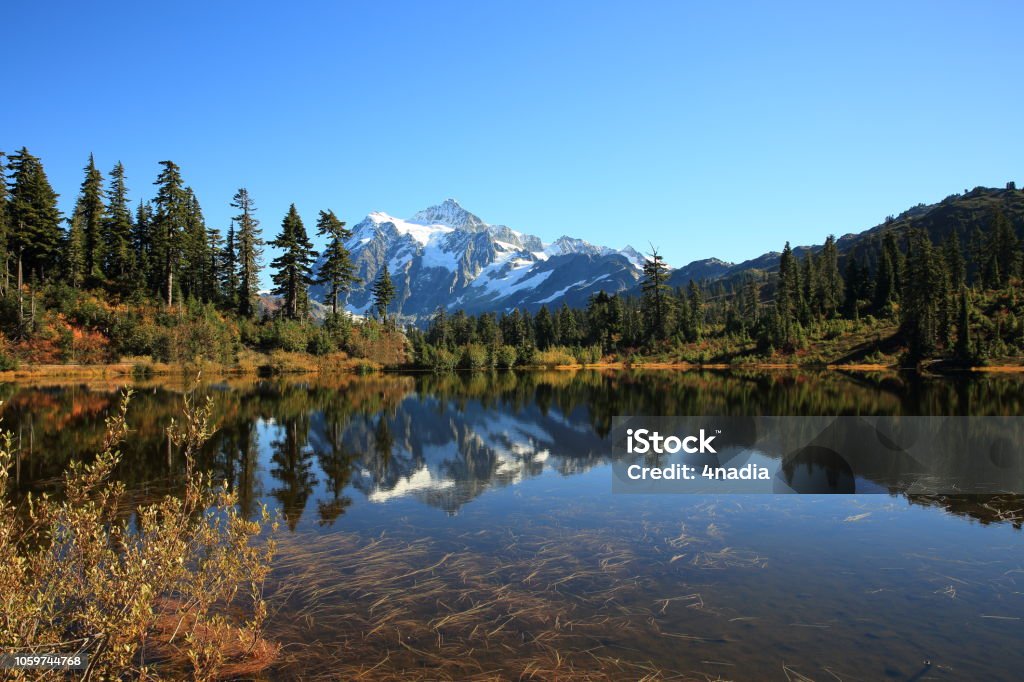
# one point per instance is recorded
(464, 527)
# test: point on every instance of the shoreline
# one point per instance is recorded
(276, 366)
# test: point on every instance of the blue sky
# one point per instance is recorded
(707, 129)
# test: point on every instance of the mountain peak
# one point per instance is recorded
(451, 213)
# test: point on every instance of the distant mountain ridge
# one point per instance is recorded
(445, 256)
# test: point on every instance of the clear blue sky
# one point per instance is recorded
(709, 129)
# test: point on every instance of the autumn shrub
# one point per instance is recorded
(554, 356)
(176, 593)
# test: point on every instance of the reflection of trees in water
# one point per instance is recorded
(336, 462)
(384, 424)
(236, 461)
(293, 467)
(984, 508)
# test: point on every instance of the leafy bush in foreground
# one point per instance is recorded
(147, 600)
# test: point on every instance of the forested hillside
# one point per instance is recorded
(130, 276)
(149, 278)
(940, 282)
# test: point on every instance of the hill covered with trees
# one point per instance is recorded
(152, 279)
(122, 277)
(937, 283)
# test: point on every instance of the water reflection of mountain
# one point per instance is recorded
(317, 446)
(446, 455)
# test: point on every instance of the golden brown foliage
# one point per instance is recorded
(154, 597)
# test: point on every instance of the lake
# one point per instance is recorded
(463, 526)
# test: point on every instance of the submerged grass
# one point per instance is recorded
(505, 605)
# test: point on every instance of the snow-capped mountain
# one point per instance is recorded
(445, 256)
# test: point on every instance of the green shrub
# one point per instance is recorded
(321, 343)
(475, 357)
(588, 355)
(443, 360)
(287, 335)
(505, 356)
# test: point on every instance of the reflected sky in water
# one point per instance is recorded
(499, 467)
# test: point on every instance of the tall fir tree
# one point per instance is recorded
(142, 245)
(1003, 252)
(119, 255)
(383, 293)
(888, 277)
(954, 257)
(923, 293)
(964, 349)
(89, 211)
(544, 328)
(248, 250)
(197, 279)
(170, 218)
(294, 267)
(695, 309)
(229, 270)
(75, 261)
(656, 295)
(34, 219)
(5, 226)
(789, 297)
(337, 271)
(830, 280)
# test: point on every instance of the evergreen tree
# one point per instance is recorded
(89, 210)
(750, 306)
(438, 333)
(544, 328)
(383, 293)
(215, 261)
(142, 244)
(5, 227)
(35, 231)
(75, 252)
(569, 331)
(1003, 252)
(830, 281)
(170, 220)
(120, 262)
(229, 270)
(954, 257)
(857, 288)
(922, 295)
(964, 352)
(655, 295)
(604, 314)
(197, 280)
(789, 300)
(337, 270)
(887, 280)
(695, 307)
(294, 267)
(248, 249)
